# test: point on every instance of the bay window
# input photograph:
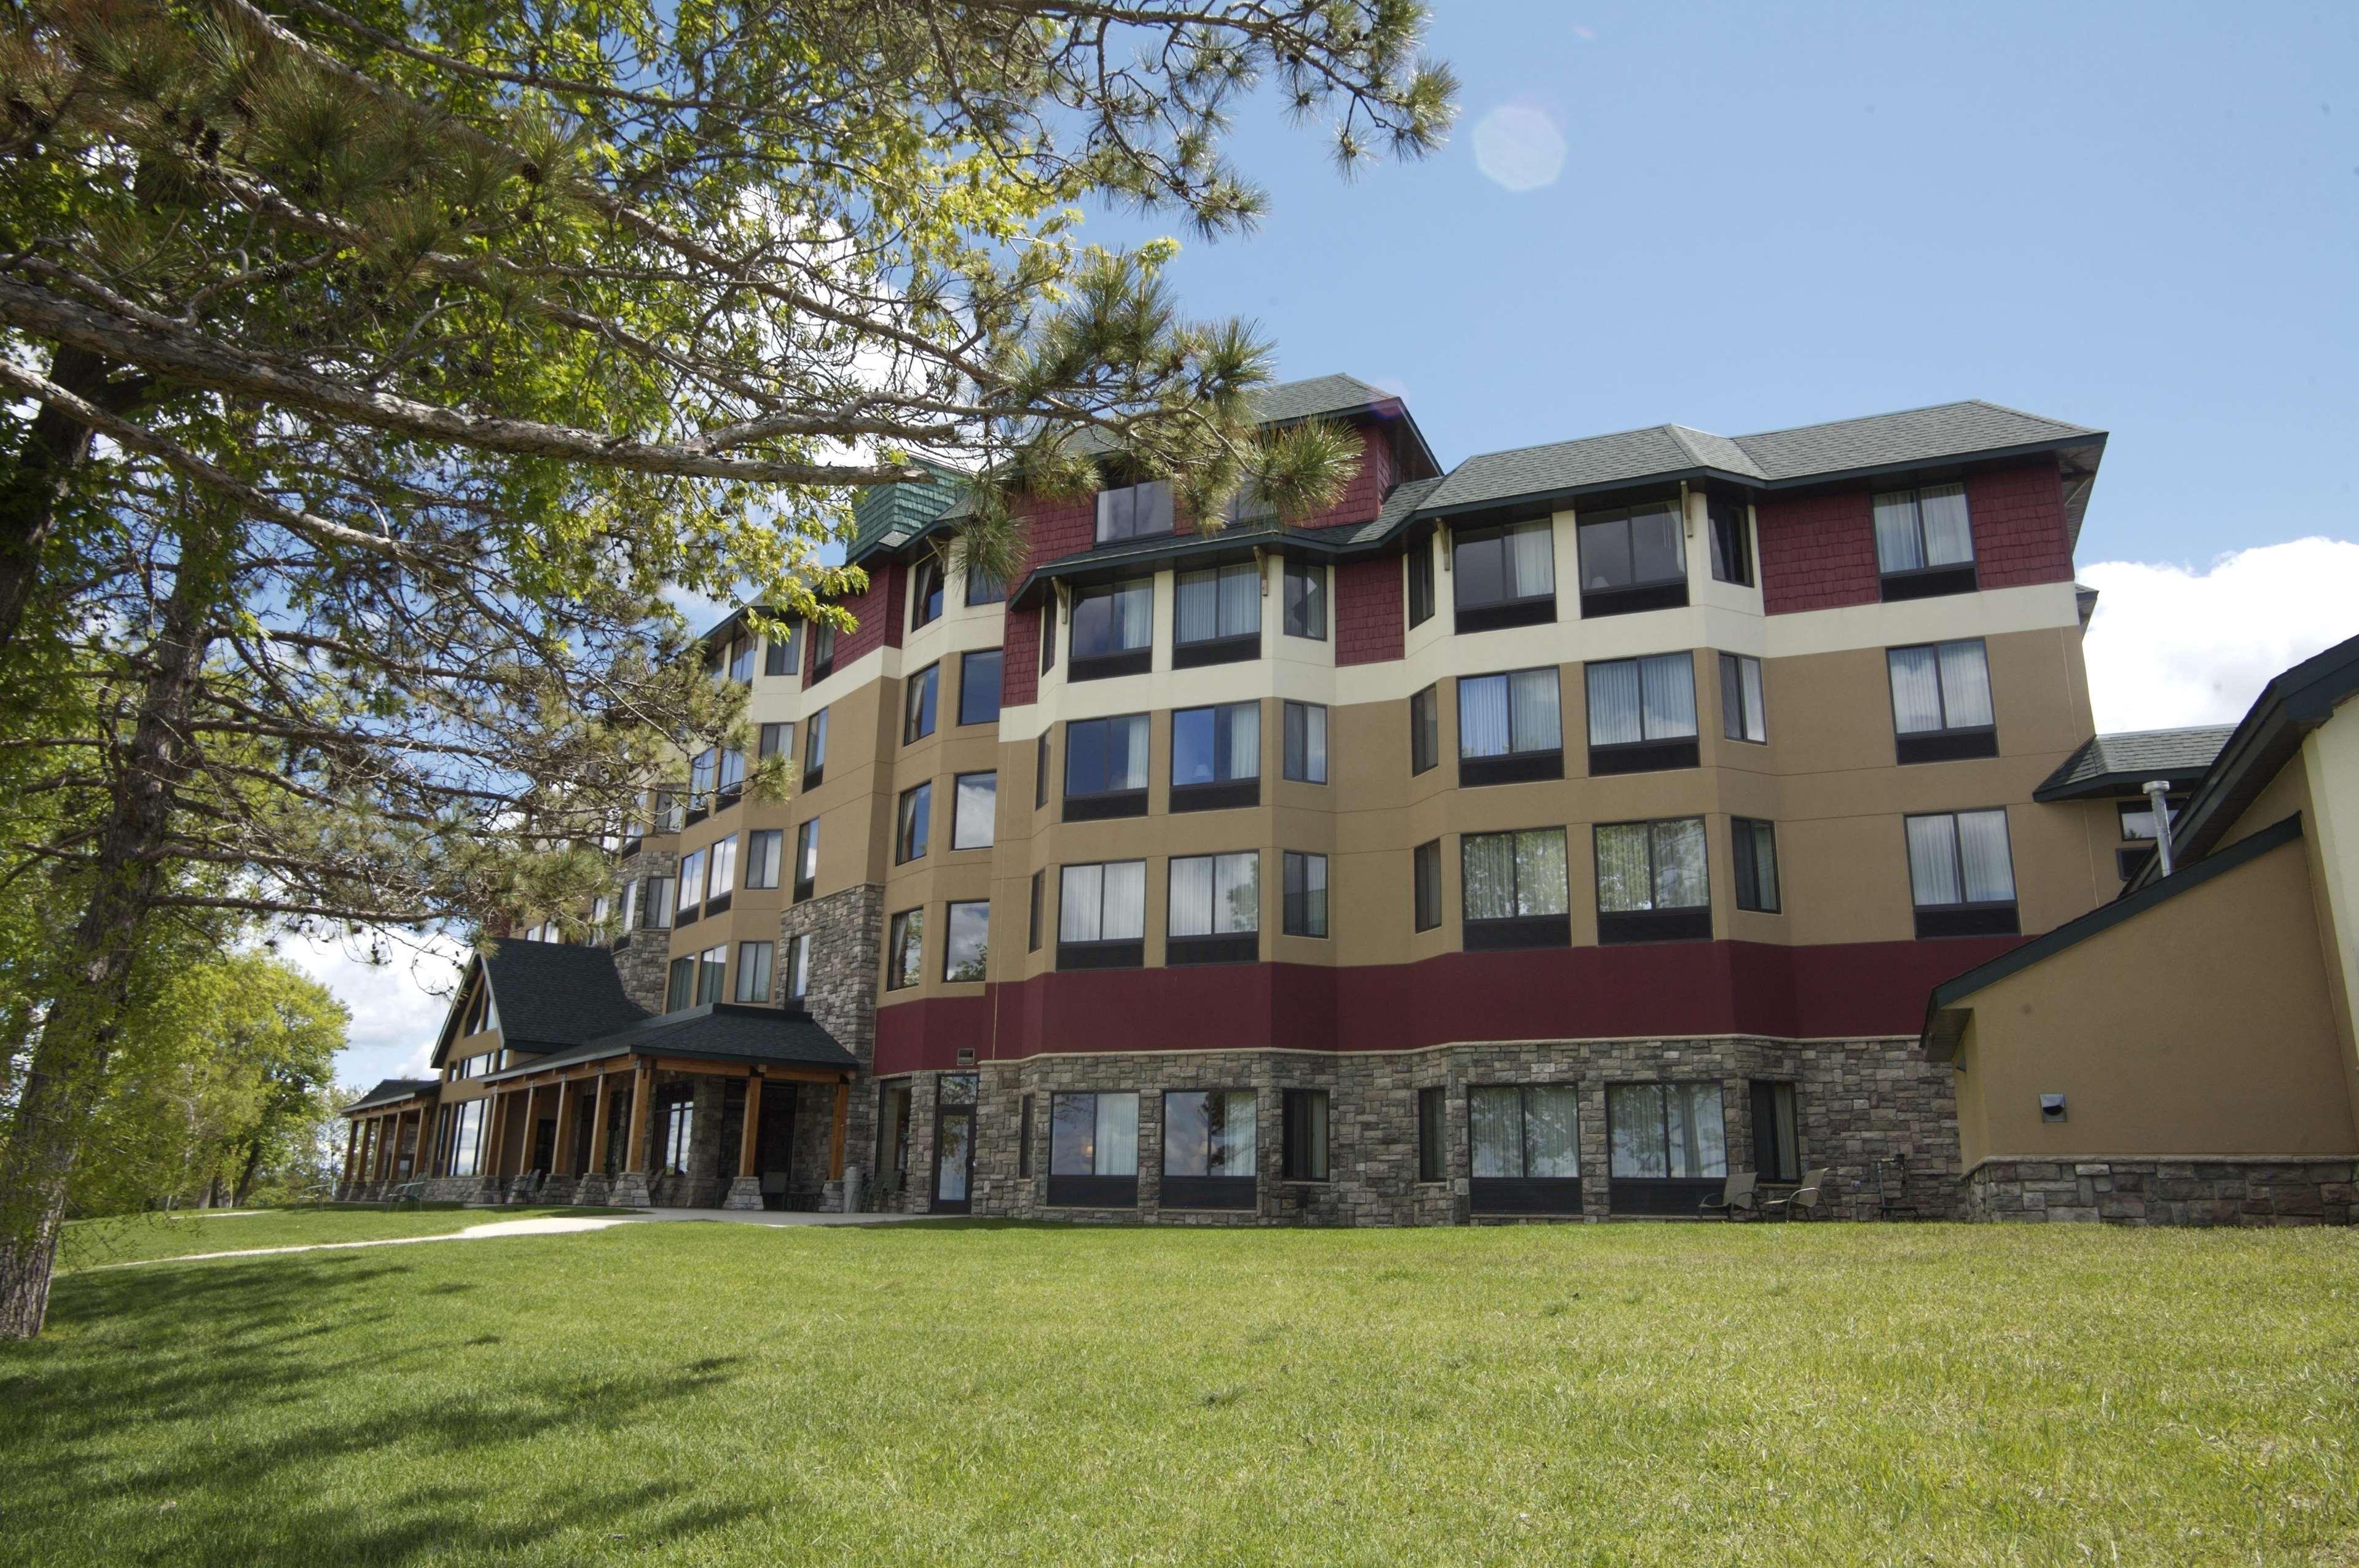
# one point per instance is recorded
(1425, 877)
(979, 687)
(966, 946)
(680, 984)
(1642, 715)
(1962, 874)
(1215, 908)
(1424, 731)
(905, 950)
(1653, 883)
(918, 704)
(1941, 701)
(1732, 540)
(1209, 1153)
(692, 887)
(1112, 630)
(764, 847)
(982, 588)
(823, 651)
(784, 656)
(1420, 582)
(1306, 601)
(721, 876)
(1132, 511)
(1218, 613)
(1924, 542)
(1669, 1147)
(711, 968)
(1305, 725)
(1093, 1150)
(799, 968)
(1522, 1148)
(1216, 757)
(1514, 890)
(1510, 728)
(1634, 558)
(1741, 714)
(974, 818)
(1101, 916)
(925, 593)
(814, 749)
(806, 859)
(1504, 576)
(1754, 847)
(1305, 891)
(913, 824)
(753, 971)
(1105, 767)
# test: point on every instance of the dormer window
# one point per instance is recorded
(1924, 542)
(925, 593)
(1135, 511)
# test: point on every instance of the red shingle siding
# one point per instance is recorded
(2019, 516)
(1366, 491)
(1019, 665)
(1818, 552)
(879, 611)
(1371, 623)
(1055, 529)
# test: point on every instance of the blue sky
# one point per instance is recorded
(2144, 218)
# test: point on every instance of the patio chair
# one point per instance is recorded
(410, 1192)
(1810, 1198)
(1741, 1196)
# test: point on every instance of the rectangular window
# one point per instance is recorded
(1032, 928)
(629, 919)
(1101, 916)
(1093, 1150)
(982, 588)
(979, 687)
(1524, 1149)
(678, 1138)
(1041, 771)
(2138, 818)
(1215, 910)
(703, 776)
(1304, 1151)
(1105, 767)
(732, 777)
(925, 593)
(1962, 874)
(753, 971)
(1667, 1144)
(1510, 728)
(658, 905)
(1924, 542)
(914, 824)
(1048, 632)
(905, 950)
(1755, 848)
(1642, 715)
(1306, 742)
(1306, 894)
(1741, 714)
(784, 656)
(467, 1136)
(1514, 889)
(1426, 873)
(823, 652)
(1218, 617)
(763, 849)
(975, 817)
(1941, 701)
(1732, 542)
(777, 740)
(1134, 510)
(1210, 1152)
(966, 952)
(691, 886)
(1306, 601)
(1652, 881)
(721, 877)
(1432, 1162)
(814, 749)
(1216, 757)
(799, 968)
(1777, 1146)
(1024, 1138)
(1634, 558)
(1424, 731)
(712, 969)
(741, 660)
(806, 859)
(1420, 582)
(680, 985)
(893, 1133)
(1113, 630)
(918, 704)
(1504, 576)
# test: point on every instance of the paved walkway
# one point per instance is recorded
(547, 1225)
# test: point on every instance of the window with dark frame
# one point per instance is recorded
(1134, 511)
(925, 593)
(1102, 915)
(1732, 540)
(1753, 847)
(753, 971)
(1304, 1129)
(1642, 715)
(918, 704)
(1420, 561)
(806, 859)
(1654, 881)
(913, 824)
(1432, 1161)
(1941, 701)
(1105, 767)
(657, 903)
(775, 740)
(1504, 576)
(904, 950)
(741, 659)
(721, 876)
(1217, 615)
(1924, 542)
(814, 749)
(783, 656)
(966, 942)
(1741, 714)
(711, 970)
(1305, 591)
(1032, 933)
(1211, 1152)
(799, 968)
(1510, 728)
(1522, 1148)
(691, 888)
(982, 588)
(1777, 1143)
(1425, 876)
(1093, 1150)
(1048, 632)
(1213, 909)
(1424, 731)
(1668, 1146)
(974, 815)
(979, 683)
(1514, 890)
(1112, 630)
(1216, 757)
(893, 1132)
(1304, 726)
(823, 651)
(730, 779)
(1024, 1136)
(1962, 874)
(678, 1138)
(1633, 559)
(1041, 771)
(680, 985)
(1305, 890)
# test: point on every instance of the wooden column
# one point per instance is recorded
(635, 1153)
(351, 1146)
(561, 1158)
(842, 1128)
(377, 1142)
(753, 1129)
(497, 1164)
(598, 1129)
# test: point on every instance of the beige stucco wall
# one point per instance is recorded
(2331, 771)
(2200, 1027)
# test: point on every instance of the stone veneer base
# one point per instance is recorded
(592, 1191)
(744, 1192)
(629, 1191)
(2205, 1191)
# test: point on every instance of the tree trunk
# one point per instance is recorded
(68, 1069)
(248, 1169)
(34, 485)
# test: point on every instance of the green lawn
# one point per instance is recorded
(138, 1238)
(685, 1393)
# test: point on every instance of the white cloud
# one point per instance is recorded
(1519, 147)
(397, 1005)
(2173, 645)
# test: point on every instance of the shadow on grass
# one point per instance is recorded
(210, 1413)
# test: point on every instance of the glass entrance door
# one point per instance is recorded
(955, 1143)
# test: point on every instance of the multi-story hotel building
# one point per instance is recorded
(1549, 836)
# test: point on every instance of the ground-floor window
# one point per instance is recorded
(1776, 1150)
(1430, 1161)
(1524, 1149)
(1670, 1146)
(892, 1137)
(1208, 1148)
(1093, 1150)
(1306, 1135)
(679, 1128)
(466, 1137)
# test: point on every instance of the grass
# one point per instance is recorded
(1639, 1394)
(142, 1239)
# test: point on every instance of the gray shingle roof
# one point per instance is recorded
(2107, 763)
(1308, 399)
(390, 1091)
(722, 1032)
(551, 996)
(1916, 435)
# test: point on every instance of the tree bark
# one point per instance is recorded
(69, 1065)
(34, 487)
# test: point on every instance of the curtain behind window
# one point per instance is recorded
(1116, 1136)
(1633, 1112)
(1081, 894)
(1551, 1131)
(1898, 548)
(1666, 684)
(1613, 699)
(1191, 895)
(1125, 741)
(1933, 861)
(1699, 1134)
(1531, 555)
(1125, 900)
(1916, 690)
(1625, 881)
(1495, 1130)
(1489, 862)
(1243, 722)
(1965, 685)
(1681, 881)
(1240, 601)
(1236, 894)
(1982, 857)
(1949, 534)
(1483, 723)
(1534, 717)
(1541, 888)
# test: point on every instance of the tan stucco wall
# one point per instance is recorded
(2331, 771)
(2200, 1026)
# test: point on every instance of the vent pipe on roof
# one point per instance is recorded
(2157, 793)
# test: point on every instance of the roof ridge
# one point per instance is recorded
(1921, 408)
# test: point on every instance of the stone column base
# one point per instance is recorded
(831, 1198)
(630, 1192)
(589, 1191)
(744, 1192)
(558, 1190)
(487, 1193)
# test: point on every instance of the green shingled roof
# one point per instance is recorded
(2111, 764)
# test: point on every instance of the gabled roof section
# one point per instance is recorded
(1593, 462)
(716, 1031)
(1971, 429)
(548, 996)
(392, 1092)
(2124, 763)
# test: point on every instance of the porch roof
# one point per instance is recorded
(393, 1092)
(727, 1032)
